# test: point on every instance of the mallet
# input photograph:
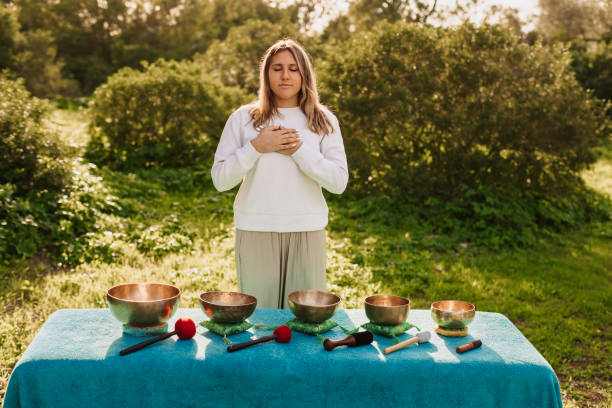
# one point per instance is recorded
(353, 340)
(184, 327)
(421, 337)
(282, 334)
(468, 346)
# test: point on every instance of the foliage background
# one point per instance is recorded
(468, 146)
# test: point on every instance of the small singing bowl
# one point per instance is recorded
(453, 314)
(227, 307)
(313, 306)
(143, 304)
(387, 310)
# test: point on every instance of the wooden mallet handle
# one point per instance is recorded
(240, 346)
(138, 346)
(401, 345)
(329, 344)
(468, 346)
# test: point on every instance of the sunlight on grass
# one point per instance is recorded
(27, 303)
(71, 125)
(351, 282)
(600, 176)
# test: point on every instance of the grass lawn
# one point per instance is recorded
(557, 293)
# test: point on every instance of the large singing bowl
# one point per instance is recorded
(143, 304)
(313, 306)
(387, 310)
(227, 307)
(452, 314)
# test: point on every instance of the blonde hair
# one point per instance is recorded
(308, 97)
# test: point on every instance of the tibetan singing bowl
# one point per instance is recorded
(453, 314)
(387, 310)
(143, 304)
(313, 306)
(227, 307)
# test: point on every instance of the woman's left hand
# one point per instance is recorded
(290, 150)
(293, 146)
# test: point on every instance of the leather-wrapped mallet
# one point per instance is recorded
(357, 339)
(421, 337)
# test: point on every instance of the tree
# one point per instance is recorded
(363, 14)
(570, 19)
(593, 68)
(9, 27)
(235, 60)
(97, 37)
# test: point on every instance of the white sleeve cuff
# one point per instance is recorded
(247, 155)
(306, 156)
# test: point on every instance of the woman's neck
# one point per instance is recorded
(286, 103)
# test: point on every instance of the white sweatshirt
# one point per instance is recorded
(280, 193)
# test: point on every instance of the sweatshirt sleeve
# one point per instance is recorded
(232, 159)
(327, 166)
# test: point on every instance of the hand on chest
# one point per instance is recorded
(307, 136)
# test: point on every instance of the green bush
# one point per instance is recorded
(170, 115)
(59, 226)
(167, 237)
(50, 204)
(37, 62)
(593, 68)
(430, 110)
(30, 159)
(459, 122)
(9, 27)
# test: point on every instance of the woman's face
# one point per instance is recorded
(285, 79)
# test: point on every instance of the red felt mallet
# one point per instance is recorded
(184, 327)
(282, 334)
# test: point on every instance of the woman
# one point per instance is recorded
(283, 148)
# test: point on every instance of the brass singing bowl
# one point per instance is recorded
(387, 310)
(313, 306)
(143, 304)
(227, 307)
(453, 314)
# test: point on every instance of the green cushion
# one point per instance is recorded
(388, 331)
(313, 329)
(226, 329)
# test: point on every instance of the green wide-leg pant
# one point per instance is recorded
(271, 265)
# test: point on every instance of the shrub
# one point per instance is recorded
(593, 68)
(49, 203)
(460, 121)
(9, 27)
(167, 237)
(30, 159)
(36, 61)
(170, 115)
(430, 110)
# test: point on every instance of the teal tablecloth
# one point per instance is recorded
(74, 362)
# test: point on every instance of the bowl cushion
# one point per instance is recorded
(388, 331)
(311, 328)
(226, 329)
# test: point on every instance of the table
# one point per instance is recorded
(74, 362)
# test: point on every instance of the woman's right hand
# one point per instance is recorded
(275, 138)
